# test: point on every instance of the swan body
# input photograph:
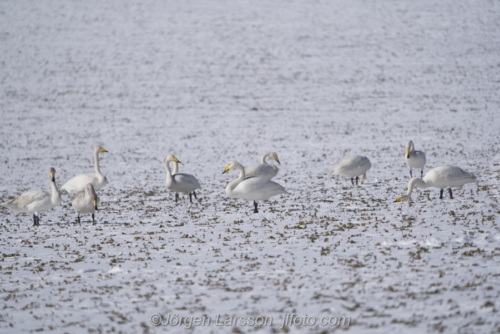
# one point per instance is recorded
(79, 182)
(414, 159)
(251, 188)
(180, 182)
(264, 169)
(85, 202)
(439, 177)
(36, 201)
(353, 167)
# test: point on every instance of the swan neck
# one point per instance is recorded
(96, 162)
(241, 177)
(233, 184)
(416, 182)
(55, 192)
(175, 170)
(167, 170)
(263, 158)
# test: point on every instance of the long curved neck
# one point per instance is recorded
(96, 162)
(55, 196)
(233, 184)
(175, 170)
(416, 182)
(167, 170)
(264, 157)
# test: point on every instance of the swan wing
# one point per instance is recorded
(448, 176)
(184, 183)
(353, 166)
(79, 182)
(257, 188)
(262, 170)
(30, 201)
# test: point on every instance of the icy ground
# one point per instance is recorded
(215, 81)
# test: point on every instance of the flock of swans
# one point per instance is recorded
(253, 183)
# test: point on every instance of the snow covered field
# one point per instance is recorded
(215, 81)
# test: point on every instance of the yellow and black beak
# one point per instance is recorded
(226, 169)
(177, 160)
(53, 177)
(278, 161)
(95, 205)
(408, 154)
(103, 150)
(397, 200)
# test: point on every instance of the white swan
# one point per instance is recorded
(85, 202)
(79, 182)
(36, 201)
(251, 188)
(264, 169)
(439, 177)
(180, 182)
(414, 159)
(353, 167)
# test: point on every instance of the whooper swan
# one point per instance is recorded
(251, 188)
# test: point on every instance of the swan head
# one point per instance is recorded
(403, 198)
(409, 148)
(274, 155)
(52, 173)
(171, 157)
(231, 165)
(89, 189)
(99, 149)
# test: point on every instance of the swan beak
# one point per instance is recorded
(53, 177)
(177, 160)
(397, 200)
(103, 150)
(408, 154)
(226, 169)
(95, 205)
(278, 161)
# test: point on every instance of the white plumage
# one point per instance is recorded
(264, 169)
(414, 159)
(251, 188)
(439, 177)
(180, 182)
(36, 201)
(353, 167)
(85, 202)
(79, 182)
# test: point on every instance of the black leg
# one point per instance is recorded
(255, 207)
(357, 178)
(34, 220)
(411, 174)
(421, 173)
(451, 194)
(194, 193)
(352, 180)
(176, 197)
(78, 219)
(441, 194)
(93, 218)
(190, 198)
